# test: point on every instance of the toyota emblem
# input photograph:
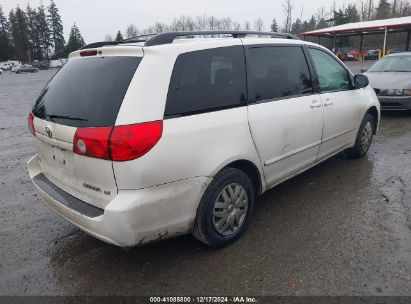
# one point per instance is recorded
(49, 133)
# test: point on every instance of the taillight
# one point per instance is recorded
(30, 123)
(92, 142)
(120, 143)
(133, 141)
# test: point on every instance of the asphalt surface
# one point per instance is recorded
(341, 228)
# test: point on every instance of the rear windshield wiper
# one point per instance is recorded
(51, 116)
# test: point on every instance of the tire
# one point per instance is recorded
(216, 210)
(364, 138)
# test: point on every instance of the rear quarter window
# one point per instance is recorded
(87, 92)
(207, 80)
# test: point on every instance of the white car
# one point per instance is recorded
(24, 68)
(143, 141)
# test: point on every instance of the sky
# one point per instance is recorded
(98, 18)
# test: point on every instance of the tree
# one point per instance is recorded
(159, 28)
(274, 26)
(6, 49)
(33, 32)
(340, 17)
(119, 37)
(131, 31)
(297, 26)
(352, 13)
(20, 33)
(370, 9)
(312, 24)
(56, 29)
(404, 9)
(43, 31)
(258, 25)
(383, 10)
(75, 41)
(108, 38)
(288, 10)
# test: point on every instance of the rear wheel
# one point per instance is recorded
(364, 137)
(225, 209)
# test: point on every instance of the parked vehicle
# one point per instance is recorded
(58, 63)
(5, 66)
(1, 71)
(372, 55)
(391, 79)
(348, 55)
(55, 64)
(140, 142)
(394, 51)
(8, 65)
(24, 68)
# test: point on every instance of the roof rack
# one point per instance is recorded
(139, 38)
(168, 37)
(98, 44)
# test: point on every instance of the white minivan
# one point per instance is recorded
(180, 132)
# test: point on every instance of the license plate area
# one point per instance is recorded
(59, 156)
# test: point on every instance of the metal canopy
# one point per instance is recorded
(385, 26)
(398, 24)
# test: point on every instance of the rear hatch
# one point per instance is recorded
(84, 95)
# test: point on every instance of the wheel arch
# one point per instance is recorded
(374, 113)
(251, 170)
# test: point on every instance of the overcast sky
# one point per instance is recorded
(97, 18)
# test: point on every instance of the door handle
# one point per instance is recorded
(328, 102)
(315, 104)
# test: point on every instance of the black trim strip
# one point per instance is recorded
(66, 199)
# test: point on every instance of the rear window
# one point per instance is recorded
(207, 80)
(87, 92)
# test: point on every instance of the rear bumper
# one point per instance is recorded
(395, 102)
(133, 217)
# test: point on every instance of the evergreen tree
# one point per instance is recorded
(274, 26)
(75, 41)
(44, 31)
(322, 23)
(6, 49)
(33, 32)
(20, 33)
(56, 29)
(312, 24)
(383, 10)
(340, 17)
(352, 13)
(296, 27)
(119, 37)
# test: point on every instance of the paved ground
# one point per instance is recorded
(342, 228)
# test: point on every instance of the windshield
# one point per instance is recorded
(392, 64)
(87, 92)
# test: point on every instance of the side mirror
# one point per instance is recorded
(361, 81)
(363, 70)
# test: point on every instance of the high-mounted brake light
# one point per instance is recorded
(88, 53)
(30, 123)
(120, 143)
